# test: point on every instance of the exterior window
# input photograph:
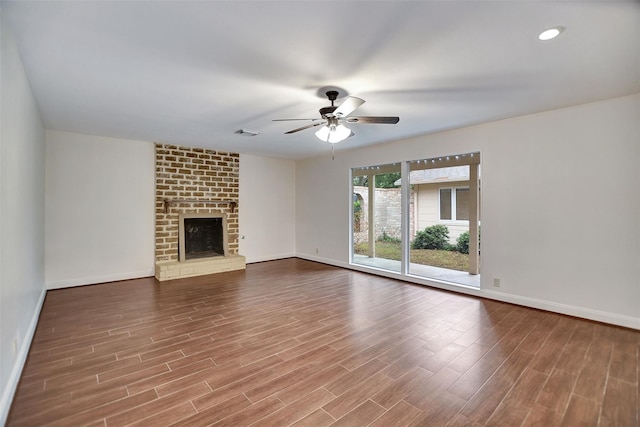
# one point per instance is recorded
(454, 204)
(445, 203)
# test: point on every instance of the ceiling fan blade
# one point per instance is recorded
(304, 127)
(348, 106)
(290, 120)
(370, 119)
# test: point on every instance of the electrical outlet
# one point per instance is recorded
(15, 346)
(317, 251)
(496, 282)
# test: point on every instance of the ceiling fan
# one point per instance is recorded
(332, 118)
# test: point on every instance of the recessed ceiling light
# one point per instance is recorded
(551, 33)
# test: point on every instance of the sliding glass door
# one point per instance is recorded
(425, 225)
(376, 216)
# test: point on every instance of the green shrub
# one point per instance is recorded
(434, 237)
(462, 244)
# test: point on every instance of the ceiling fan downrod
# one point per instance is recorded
(326, 112)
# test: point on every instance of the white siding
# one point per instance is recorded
(429, 209)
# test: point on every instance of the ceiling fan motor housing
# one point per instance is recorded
(325, 111)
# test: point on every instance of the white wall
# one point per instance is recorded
(560, 208)
(267, 209)
(22, 291)
(99, 209)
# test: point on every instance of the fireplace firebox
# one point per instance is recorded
(202, 236)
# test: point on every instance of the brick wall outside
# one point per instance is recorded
(388, 211)
(198, 174)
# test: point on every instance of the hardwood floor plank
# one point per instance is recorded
(550, 351)
(460, 420)
(557, 391)
(541, 416)
(355, 396)
(620, 403)
(280, 383)
(474, 378)
(360, 416)
(317, 418)
(507, 415)
(427, 391)
(401, 414)
(581, 412)
(400, 388)
(150, 409)
(442, 408)
(442, 357)
(253, 413)
(468, 357)
(353, 378)
(526, 389)
(297, 410)
(100, 412)
(593, 376)
(624, 362)
(222, 375)
(217, 412)
(407, 363)
(535, 339)
(293, 342)
(482, 405)
(165, 417)
(319, 379)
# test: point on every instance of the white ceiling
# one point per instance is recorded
(192, 73)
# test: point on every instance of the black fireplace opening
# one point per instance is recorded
(203, 237)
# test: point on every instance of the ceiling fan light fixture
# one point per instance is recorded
(323, 133)
(340, 133)
(333, 134)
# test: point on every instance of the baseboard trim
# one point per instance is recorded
(21, 359)
(253, 260)
(92, 280)
(569, 310)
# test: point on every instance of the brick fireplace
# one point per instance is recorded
(195, 182)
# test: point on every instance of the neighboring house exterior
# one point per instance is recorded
(441, 196)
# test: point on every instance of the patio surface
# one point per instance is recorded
(426, 271)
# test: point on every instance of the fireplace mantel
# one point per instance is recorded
(232, 204)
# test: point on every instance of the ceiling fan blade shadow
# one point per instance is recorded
(270, 113)
(290, 120)
(348, 106)
(372, 119)
(448, 90)
(304, 127)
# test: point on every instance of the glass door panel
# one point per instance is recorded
(376, 215)
(442, 211)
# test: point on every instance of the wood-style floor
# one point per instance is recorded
(293, 342)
